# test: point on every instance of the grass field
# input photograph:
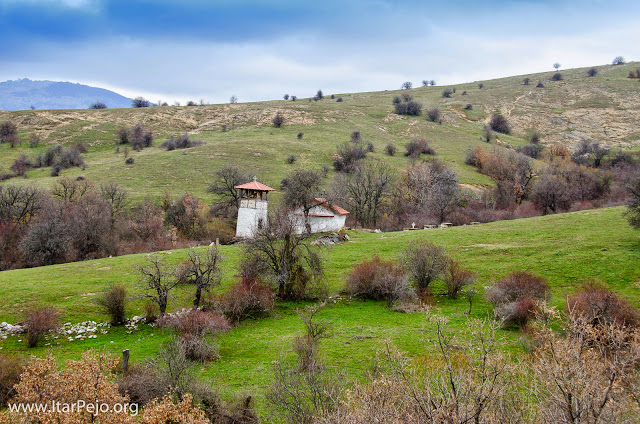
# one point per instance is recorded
(603, 108)
(566, 249)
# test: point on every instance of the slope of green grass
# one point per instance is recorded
(602, 108)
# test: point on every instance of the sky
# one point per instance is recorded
(261, 49)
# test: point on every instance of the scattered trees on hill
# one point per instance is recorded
(618, 60)
(349, 154)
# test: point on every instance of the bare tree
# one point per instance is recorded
(140, 102)
(364, 191)
(432, 186)
(70, 190)
(225, 179)
(201, 270)
(425, 262)
(301, 187)
(118, 198)
(288, 260)
(155, 277)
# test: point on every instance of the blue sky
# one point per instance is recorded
(257, 50)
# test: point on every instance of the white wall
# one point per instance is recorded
(319, 224)
(248, 217)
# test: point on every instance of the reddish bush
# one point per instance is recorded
(195, 322)
(515, 297)
(456, 277)
(598, 304)
(39, 322)
(379, 280)
(246, 298)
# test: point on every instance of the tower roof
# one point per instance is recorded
(254, 185)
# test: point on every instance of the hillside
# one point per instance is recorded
(604, 108)
(24, 93)
(566, 249)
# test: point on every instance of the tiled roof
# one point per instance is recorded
(335, 208)
(254, 185)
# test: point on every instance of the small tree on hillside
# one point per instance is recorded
(556, 66)
(300, 187)
(140, 102)
(157, 279)
(618, 60)
(425, 262)
(98, 105)
(278, 120)
(592, 72)
(224, 181)
(319, 95)
(202, 271)
(407, 85)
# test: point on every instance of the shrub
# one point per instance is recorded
(11, 367)
(592, 72)
(464, 93)
(415, 148)
(425, 262)
(294, 98)
(598, 305)
(300, 135)
(129, 161)
(468, 106)
(532, 150)
(137, 136)
(195, 322)
(339, 100)
(433, 114)
(21, 165)
(98, 105)
(516, 295)
(291, 159)
(456, 278)
(140, 102)
(348, 155)
(481, 86)
(278, 120)
(526, 81)
(618, 60)
(407, 85)
(370, 147)
(447, 93)
(499, 123)
(34, 140)
(487, 134)
(396, 100)
(286, 97)
(245, 299)
(379, 280)
(114, 303)
(39, 322)
(410, 108)
(181, 142)
(8, 132)
(556, 77)
(319, 95)
(390, 149)
(539, 84)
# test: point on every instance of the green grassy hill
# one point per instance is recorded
(603, 108)
(566, 249)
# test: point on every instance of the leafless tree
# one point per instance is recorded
(364, 191)
(301, 187)
(201, 270)
(225, 179)
(289, 261)
(157, 278)
(425, 262)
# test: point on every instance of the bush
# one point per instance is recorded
(8, 132)
(447, 93)
(515, 296)
(556, 77)
(348, 155)
(370, 147)
(532, 150)
(407, 85)
(114, 303)
(11, 367)
(246, 299)
(539, 84)
(526, 81)
(140, 102)
(21, 165)
(291, 159)
(379, 280)
(181, 142)
(300, 135)
(390, 149)
(481, 86)
(319, 95)
(38, 323)
(286, 97)
(195, 322)
(415, 148)
(468, 106)
(600, 306)
(339, 100)
(137, 136)
(592, 72)
(278, 120)
(129, 161)
(408, 107)
(98, 105)
(425, 262)
(499, 123)
(456, 278)
(618, 60)
(433, 114)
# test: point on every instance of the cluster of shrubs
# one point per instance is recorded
(350, 153)
(415, 148)
(56, 157)
(181, 142)
(408, 282)
(137, 136)
(405, 105)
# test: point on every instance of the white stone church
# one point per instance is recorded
(252, 212)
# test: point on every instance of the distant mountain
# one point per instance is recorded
(24, 93)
